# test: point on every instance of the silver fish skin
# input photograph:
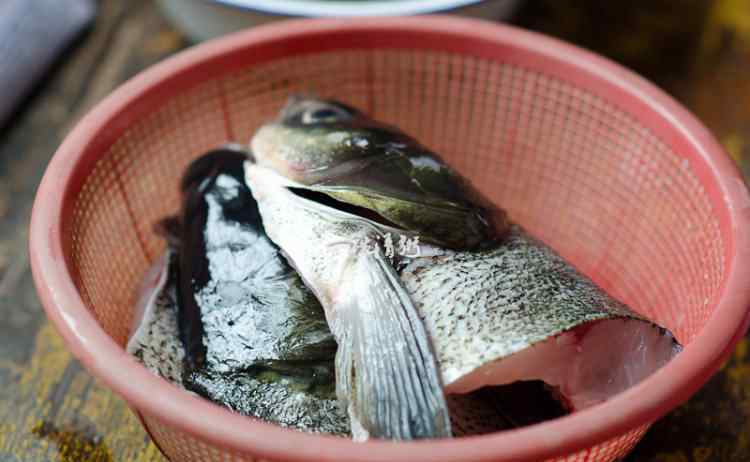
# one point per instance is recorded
(386, 374)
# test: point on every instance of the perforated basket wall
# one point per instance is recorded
(179, 446)
(568, 163)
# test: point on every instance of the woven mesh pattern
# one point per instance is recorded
(572, 168)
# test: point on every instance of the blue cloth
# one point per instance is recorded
(32, 34)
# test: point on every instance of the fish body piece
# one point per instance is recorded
(334, 149)
(233, 284)
(498, 306)
(385, 370)
(514, 311)
(518, 311)
(255, 337)
(287, 400)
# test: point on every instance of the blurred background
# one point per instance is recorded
(60, 57)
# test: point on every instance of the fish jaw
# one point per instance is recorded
(308, 158)
(387, 377)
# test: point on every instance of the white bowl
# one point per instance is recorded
(205, 19)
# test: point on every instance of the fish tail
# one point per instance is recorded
(386, 371)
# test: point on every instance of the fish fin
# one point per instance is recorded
(387, 373)
(151, 288)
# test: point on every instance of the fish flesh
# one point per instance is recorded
(497, 307)
(254, 337)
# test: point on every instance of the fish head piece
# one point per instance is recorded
(334, 149)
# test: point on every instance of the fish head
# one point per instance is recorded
(312, 139)
(335, 149)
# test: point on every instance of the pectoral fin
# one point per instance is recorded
(386, 371)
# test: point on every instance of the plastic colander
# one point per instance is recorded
(597, 162)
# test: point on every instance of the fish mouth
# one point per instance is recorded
(351, 209)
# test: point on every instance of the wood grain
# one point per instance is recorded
(52, 410)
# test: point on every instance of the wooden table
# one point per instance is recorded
(52, 410)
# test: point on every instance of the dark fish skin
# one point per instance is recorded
(252, 332)
(335, 149)
(222, 232)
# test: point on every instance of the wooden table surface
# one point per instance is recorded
(52, 410)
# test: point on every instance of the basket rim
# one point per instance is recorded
(156, 398)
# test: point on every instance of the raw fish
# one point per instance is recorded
(497, 306)
(254, 337)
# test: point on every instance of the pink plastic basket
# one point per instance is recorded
(591, 158)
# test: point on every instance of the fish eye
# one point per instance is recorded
(324, 114)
